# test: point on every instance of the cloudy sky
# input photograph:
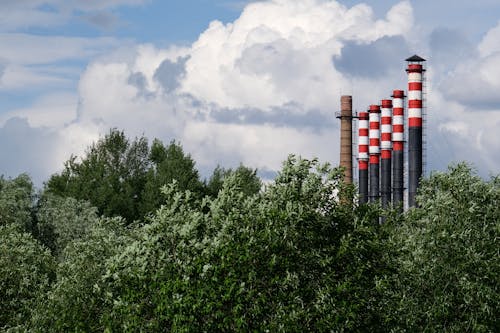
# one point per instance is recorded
(240, 81)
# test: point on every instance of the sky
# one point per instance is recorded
(240, 81)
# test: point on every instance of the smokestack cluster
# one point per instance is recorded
(381, 142)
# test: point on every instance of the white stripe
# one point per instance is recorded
(374, 117)
(386, 129)
(397, 103)
(374, 134)
(386, 112)
(363, 140)
(414, 113)
(414, 77)
(363, 124)
(415, 94)
(386, 145)
(363, 156)
(396, 136)
(397, 120)
(374, 149)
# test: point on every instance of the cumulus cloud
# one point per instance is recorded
(475, 81)
(279, 52)
(253, 90)
(263, 86)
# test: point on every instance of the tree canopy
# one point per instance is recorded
(229, 254)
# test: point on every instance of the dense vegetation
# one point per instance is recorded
(129, 238)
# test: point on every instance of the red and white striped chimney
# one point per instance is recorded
(363, 144)
(386, 151)
(398, 146)
(374, 151)
(415, 72)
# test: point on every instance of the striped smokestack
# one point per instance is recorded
(415, 72)
(398, 147)
(363, 144)
(374, 151)
(385, 151)
(346, 137)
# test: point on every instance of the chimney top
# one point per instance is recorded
(415, 58)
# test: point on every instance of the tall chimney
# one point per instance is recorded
(386, 151)
(398, 147)
(346, 137)
(363, 144)
(374, 151)
(415, 72)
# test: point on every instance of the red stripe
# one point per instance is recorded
(414, 85)
(398, 112)
(415, 104)
(397, 145)
(374, 125)
(374, 108)
(386, 103)
(385, 137)
(398, 94)
(397, 128)
(363, 132)
(386, 154)
(374, 159)
(414, 68)
(363, 149)
(415, 122)
(363, 165)
(374, 142)
(386, 120)
(363, 116)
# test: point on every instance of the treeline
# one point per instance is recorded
(129, 238)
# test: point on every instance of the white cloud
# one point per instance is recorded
(258, 88)
(19, 77)
(26, 49)
(476, 81)
(15, 14)
(491, 42)
(279, 52)
(50, 111)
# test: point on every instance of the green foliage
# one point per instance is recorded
(250, 182)
(241, 263)
(169, 163)
(75, 302)
(61, 221)
(16, 201)
(110, 176)
(449, 256)
(231, 255)
(26, 269)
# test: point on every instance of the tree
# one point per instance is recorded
(26, 269)
(76, 300)
(291, 258)
(16, 201)
(168, 164)
(250, 182)
(110, 176)
(61, 221)
(449, 266)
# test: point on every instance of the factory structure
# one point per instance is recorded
(388, 142)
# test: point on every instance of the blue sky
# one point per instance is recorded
(239, 81)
